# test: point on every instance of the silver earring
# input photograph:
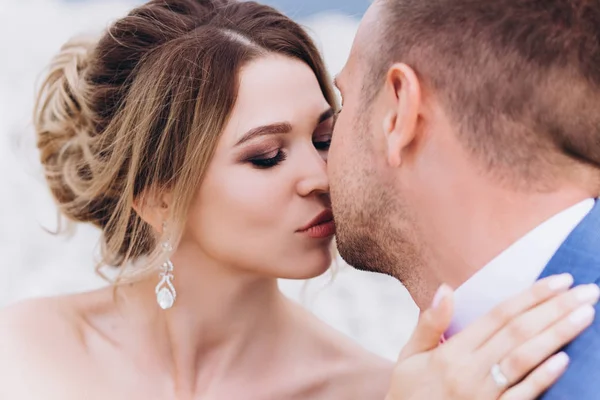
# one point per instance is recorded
(165, 291)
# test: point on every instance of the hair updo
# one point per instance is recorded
(143, 108)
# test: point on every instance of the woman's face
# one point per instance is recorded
(267, 182)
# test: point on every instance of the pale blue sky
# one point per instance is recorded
(302, 8)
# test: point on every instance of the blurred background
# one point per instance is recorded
(374, 310)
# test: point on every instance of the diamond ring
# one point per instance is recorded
(498, 376)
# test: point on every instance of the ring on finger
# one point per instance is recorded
(499, 377)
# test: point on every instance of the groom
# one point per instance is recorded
(468, 153)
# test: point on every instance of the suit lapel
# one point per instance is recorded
(579, 255)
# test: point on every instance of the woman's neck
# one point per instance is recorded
(221, 320)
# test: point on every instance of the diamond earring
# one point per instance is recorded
(165, 291)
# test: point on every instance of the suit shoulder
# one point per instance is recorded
(580, 380)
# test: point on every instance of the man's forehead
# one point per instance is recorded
(370, 24)
(365, 39)
(336, 79)
(339, 80)
(366, 36)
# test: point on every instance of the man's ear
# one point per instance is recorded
(153, 207)
(403, 98)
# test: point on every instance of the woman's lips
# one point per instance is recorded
(320, 231)
(321, 226)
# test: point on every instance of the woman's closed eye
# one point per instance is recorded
(268, 160)
(322, 143)
(323, 134)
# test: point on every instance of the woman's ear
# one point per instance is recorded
(153, 207)
(400, 123)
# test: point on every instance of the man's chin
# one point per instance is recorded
(363, 253)
(369, 268)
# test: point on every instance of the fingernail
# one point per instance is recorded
(441, 293)
(588, 293)
(558, 362)
(582, 316)
(560, 282)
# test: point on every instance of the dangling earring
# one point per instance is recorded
(165, 291)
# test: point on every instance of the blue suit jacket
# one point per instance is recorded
(580, 256)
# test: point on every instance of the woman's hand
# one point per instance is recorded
(516, 339)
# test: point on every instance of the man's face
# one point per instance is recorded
(373, 231)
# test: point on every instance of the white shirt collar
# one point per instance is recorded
(516, 268)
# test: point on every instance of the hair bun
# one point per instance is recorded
(63, 122)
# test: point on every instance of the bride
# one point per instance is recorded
(194, 135)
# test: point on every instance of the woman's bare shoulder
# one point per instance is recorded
(366, 376)
(349, 370)
(35, 321)
(38, 327)
(36, 337)
(41, 321)
(359, 375)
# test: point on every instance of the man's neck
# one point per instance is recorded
(461, 242)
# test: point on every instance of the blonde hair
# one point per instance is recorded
(141, 110)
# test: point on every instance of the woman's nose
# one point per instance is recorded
(314, 179)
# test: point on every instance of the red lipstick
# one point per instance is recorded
(322, 226)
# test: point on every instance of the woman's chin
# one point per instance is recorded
(311, 268)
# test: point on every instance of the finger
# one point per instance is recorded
(432, 324)
(484, 328)
(539, 380)
(542, 322)
(518, 363)
(529, 355)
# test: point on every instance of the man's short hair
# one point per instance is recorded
(521, 78)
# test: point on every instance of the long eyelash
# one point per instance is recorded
(264, 163)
